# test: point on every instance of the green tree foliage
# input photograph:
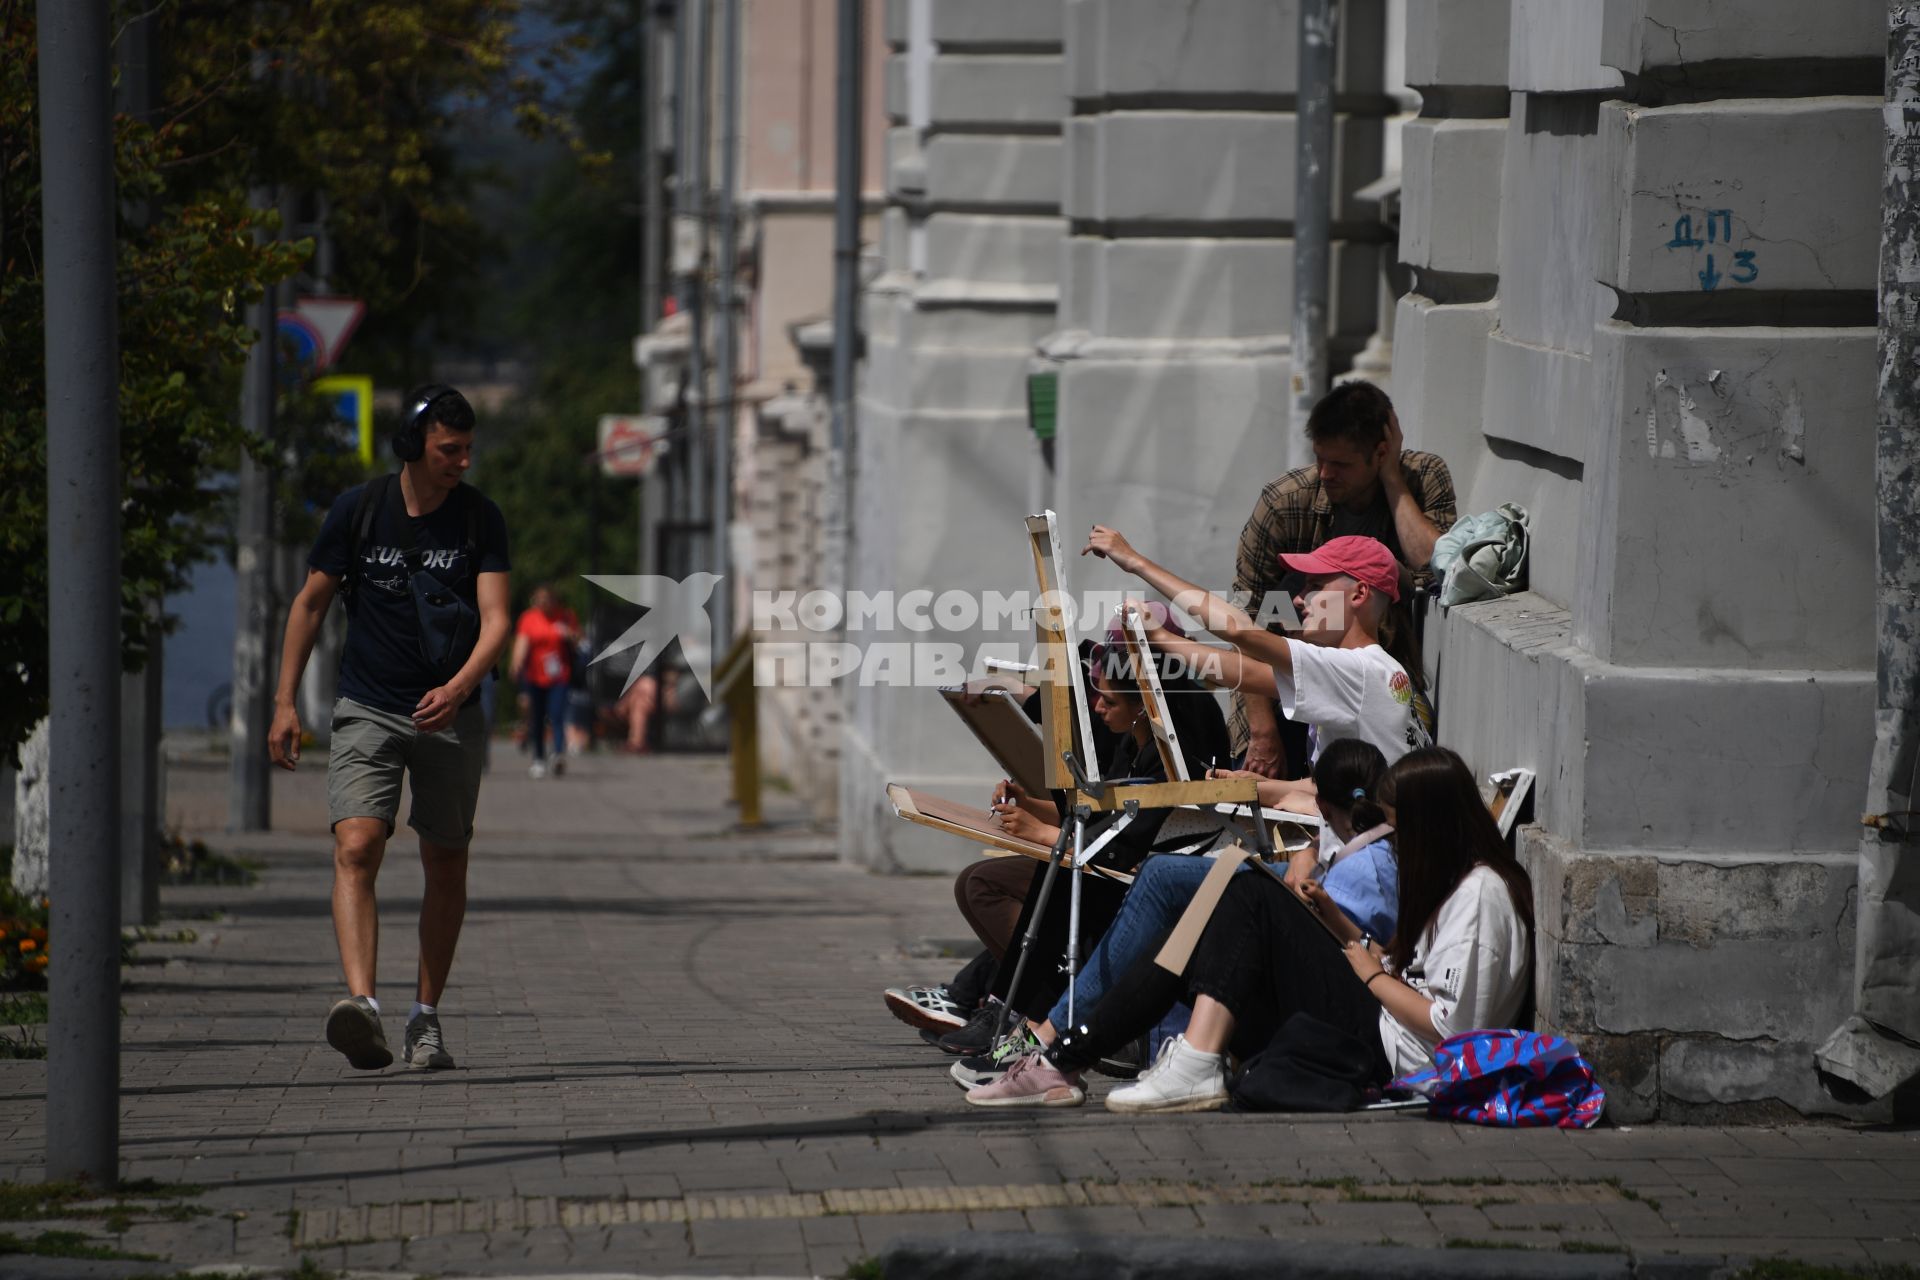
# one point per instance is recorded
(185, 275)
(360, 102)
(567, 296)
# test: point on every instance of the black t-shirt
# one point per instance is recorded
(383, 667)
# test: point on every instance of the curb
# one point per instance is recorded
(1010, 1256)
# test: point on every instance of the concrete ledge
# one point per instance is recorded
(990, 247)
(1135, 48)
(975, 170)
(1439, 370)
(997, 88)
(1555, 47)
(1696, 984)
(1654, 758)
(1173, 450)
(1209, 166)
(1537, 395)
(1450, 204)
(1744, 444)
(1457, 42)
(1043, 1257)
(1645, 35)
(997, 22)
(1741, 193)
(1194, 289)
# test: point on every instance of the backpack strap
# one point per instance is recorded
(365, 509)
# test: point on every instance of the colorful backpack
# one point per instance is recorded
(1512, 1079)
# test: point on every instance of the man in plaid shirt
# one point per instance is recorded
(1362, 482)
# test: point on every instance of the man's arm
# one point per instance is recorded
(303, 627)
(1417, 532)
(437, 709)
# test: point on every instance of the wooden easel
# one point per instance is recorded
(1066, 725)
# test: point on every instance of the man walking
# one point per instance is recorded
(422, 561)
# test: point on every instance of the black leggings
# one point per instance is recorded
(1264, 956)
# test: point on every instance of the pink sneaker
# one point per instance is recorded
(1031, 1081)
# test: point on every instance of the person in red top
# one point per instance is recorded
(541, 664)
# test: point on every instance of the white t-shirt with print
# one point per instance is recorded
(1349, 693)
(1472, 962)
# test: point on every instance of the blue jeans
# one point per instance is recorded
(546, 707)
(1164, 886)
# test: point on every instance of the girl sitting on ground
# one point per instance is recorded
(1360, 880)
(1459, 960)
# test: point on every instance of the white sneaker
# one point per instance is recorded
(536, 770)
(1182, 1078)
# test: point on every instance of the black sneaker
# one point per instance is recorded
(985, 1068)
(1126, 1062)
(975, 1037)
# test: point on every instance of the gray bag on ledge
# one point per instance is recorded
(1482, 557)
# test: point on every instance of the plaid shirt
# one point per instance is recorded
(1295, 515)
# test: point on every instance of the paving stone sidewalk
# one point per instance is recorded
(674, 1060)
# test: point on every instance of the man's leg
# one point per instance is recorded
(364, 764)
(445, 768)
(359, 844)
(443, 908)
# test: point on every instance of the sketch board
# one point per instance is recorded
(995, 718)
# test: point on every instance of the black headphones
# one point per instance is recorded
(410, 440)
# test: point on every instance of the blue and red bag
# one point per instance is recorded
(1511, 1079)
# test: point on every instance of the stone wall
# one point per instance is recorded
(1177, 277)
(1666, 354)
(943, 455)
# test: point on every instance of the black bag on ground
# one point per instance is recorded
(1309, 1065)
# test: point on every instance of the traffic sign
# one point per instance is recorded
(631, 443)
(319, 327)
(353, 400)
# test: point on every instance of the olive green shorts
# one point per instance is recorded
(371, 749)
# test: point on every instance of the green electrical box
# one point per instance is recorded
(1043, 403)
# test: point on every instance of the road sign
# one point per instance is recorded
(631, 443)
(319, 327)
(353, 398)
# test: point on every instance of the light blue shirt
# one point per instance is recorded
(1366, 885)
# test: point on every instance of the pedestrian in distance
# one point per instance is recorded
(541, 667)
(421, 560)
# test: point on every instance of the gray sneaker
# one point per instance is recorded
(354, 1029)
(426, 1051)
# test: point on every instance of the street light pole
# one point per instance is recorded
(690, 240)
(849, 66)
(725, 335)
(1312, 213)
(249, 797)
(83, 566)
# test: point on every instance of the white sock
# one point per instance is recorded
(375, 1004)
(419, 1009)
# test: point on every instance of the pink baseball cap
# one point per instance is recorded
(1361, 558)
